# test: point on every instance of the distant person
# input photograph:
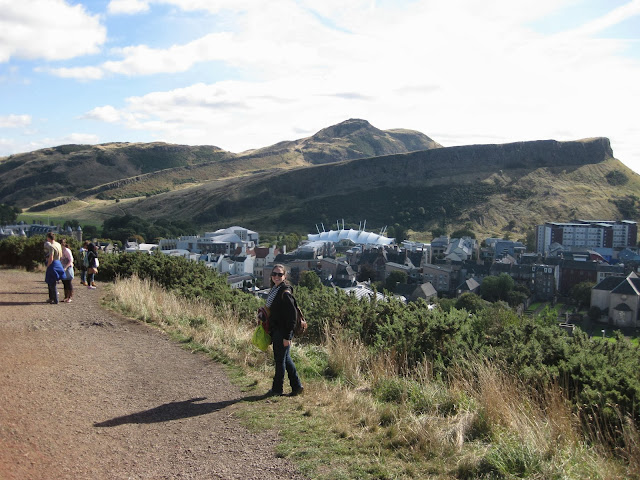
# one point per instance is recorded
(282, 320)
(92, 265)
(82, 258)
(54, 272)
(67, 264)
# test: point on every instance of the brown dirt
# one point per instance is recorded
(88, 394)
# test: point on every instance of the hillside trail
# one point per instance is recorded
(88, 394)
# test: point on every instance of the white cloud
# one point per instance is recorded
(467, 71)
(47, 29)
(612, 18)
(106, 114)
(14, 121)
(79, 73)
(10, 146)
(127, 6)
(81, 138)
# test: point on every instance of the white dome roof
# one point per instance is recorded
(359, 237)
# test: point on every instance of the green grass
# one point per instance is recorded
(39, 218)
(378, 425)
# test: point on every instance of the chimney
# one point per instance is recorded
(284, 249)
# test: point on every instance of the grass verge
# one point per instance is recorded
(359, 418)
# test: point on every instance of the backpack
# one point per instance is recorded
(301, 324)
(85, 259)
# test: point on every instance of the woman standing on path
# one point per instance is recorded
(83, 267)
(67, 264)
(54, 271)
(282, 320)
(92, 268)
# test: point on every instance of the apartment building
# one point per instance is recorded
(587, 234)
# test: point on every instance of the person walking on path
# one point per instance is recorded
(67, 264)
(282, 320)
(83, 268)
(92, 265)
(54, 271)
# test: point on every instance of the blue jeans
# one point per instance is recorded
(283, 362)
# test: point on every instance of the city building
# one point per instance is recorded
(590, 234)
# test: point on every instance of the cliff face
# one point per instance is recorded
(435, 185)
(455, 165)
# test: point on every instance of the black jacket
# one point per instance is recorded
(282, 314)
(91, 255)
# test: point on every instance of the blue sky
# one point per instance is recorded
(243, 74)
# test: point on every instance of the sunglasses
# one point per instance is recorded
(277, 274)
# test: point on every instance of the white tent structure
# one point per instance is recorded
(359, 237)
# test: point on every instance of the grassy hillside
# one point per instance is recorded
(68, 170)
(485, 186)
(494, 189)
(47, 178)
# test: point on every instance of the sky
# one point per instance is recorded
(244, 74)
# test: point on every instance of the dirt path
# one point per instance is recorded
(86, 394)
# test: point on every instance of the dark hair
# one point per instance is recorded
(51, 235)
(284, 269)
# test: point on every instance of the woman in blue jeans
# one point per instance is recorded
(282, 319)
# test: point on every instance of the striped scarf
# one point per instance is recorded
(272, 294)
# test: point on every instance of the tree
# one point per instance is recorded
(581, 294)
(471, 302)
(366, 273)
(394, 279)
(8, 214)
(309, 279)
(594, 313)
(463, 232)
(399, 232)
(438, 232)
(291, 241)
(74, 224)
(494, 288)
(89, 232)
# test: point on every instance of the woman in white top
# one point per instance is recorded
(54, 271)
(67, 264)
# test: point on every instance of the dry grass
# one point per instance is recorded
(376, 416)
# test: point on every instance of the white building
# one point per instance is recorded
(594, 234)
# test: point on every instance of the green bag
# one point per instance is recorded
(261, 339)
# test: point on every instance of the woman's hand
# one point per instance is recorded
(286, 342)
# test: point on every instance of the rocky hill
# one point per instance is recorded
(351, 170)
(52, 176)
(487, 186)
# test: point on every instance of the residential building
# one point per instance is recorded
(461, 249)
(619, 297)
(264, 256)
(545, 280)
(439, 246)
(470, 285)
(573, 272)
(587, 234)
(439, 276)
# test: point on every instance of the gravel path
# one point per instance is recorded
(87, 394)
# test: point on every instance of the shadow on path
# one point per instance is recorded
(10, 304)
(175, 410)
